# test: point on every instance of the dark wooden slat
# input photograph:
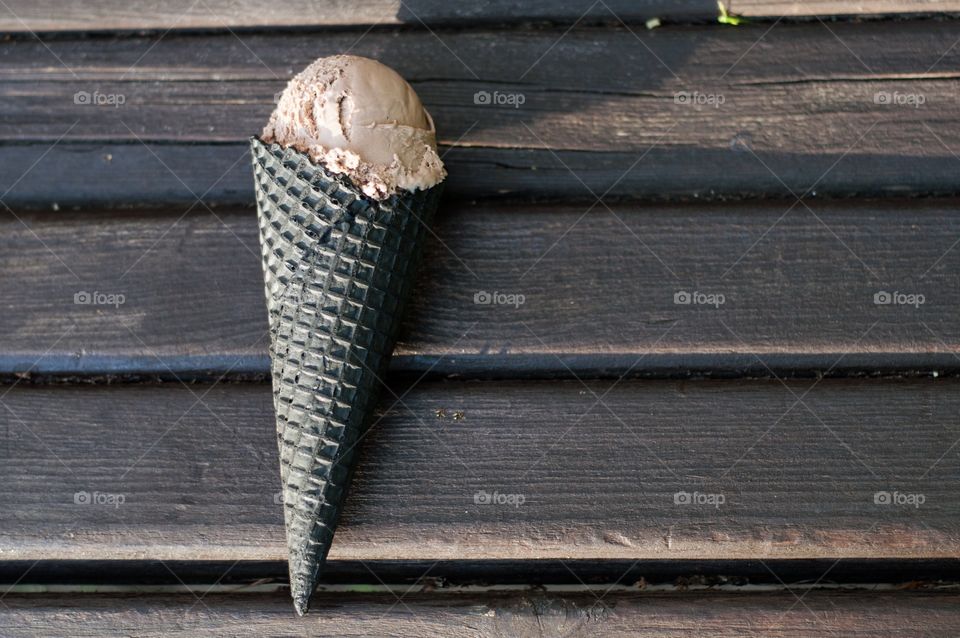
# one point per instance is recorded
(599, 291)
(199, 478)
(489, 615)
(825, 8)
(799, 105)
(101, 15)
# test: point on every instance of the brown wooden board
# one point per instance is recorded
(830, 8)
(405, 613)
(103, 15)
(681, 112)
(100, 15)
(601, 470)
(572, 292)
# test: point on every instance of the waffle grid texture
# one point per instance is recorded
(337, 268)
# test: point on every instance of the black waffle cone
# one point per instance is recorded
(337, 268)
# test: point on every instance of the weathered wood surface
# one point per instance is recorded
(104, 15)
(598, 290)
(849, 109)
(169, 472)
(766, 615)
(100, 15)
(590, 471)
(828, 8)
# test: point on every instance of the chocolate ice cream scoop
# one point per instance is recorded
(359, 118)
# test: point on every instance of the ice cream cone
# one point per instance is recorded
(337, 267)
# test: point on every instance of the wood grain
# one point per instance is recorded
(832, 8)
(598, 291)
(197, 471)
(688, 112)
(102, 15)
(106, 15)
(488, 615)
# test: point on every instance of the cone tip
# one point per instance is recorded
(301, 602)
(301, 589)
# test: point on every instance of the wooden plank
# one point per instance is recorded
(833, 8)
(101, 15)
(116, 15)
(163, 472)
(836, 110)
(488, 615)
(598, 291)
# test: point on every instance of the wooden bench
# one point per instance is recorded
(779, 456)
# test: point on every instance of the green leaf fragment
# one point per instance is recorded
(726, 18)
